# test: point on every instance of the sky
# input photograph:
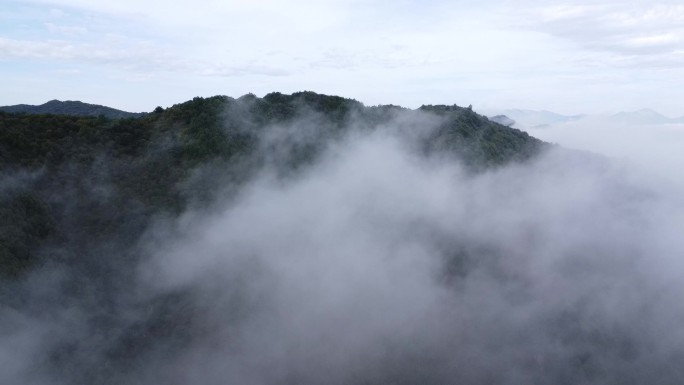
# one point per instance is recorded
(567, 56)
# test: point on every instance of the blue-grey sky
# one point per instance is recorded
(565, 56)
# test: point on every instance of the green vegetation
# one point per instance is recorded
(25, 221)
(480, 142)
(98, 179)
(79, 194)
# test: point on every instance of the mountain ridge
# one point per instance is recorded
(71, 107)
(645, 116)
(149, 159)
(221, 229)
(527, 118)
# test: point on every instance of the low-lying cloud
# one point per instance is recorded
(651, 149)
(381, 266)
(377, 264)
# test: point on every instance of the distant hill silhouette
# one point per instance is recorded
(645, 116)
(70, 107)
(537, 119)
(502, 120)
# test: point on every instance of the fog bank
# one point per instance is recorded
(378, 264)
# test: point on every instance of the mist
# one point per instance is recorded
(378, 263)
(653, 149)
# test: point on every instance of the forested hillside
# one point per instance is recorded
(80, 181)
(308, 239)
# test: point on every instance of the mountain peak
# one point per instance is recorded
(70, 107)
(643, 116)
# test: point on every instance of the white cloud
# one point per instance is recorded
(66, 29)
(492, 52)
(642, 29)
(568, 12)
(66, 50)
(659, 40)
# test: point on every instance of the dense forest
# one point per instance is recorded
(143, 165)
(307, 239)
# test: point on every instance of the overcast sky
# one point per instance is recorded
(567, 56)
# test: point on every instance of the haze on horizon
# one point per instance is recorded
(569, 57)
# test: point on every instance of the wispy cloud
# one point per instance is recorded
(438, 52)
(68, 30)
(68, 50)
(639, 33)
(121, 53)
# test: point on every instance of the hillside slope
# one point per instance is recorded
(54, 163)
(84, 201)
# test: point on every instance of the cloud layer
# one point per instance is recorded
(570, 57)
(378, 265)
(375, 264)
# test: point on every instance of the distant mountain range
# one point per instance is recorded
(525, 119)
(646, 116)
(518, 118)
(537, 119)
(70, 107)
